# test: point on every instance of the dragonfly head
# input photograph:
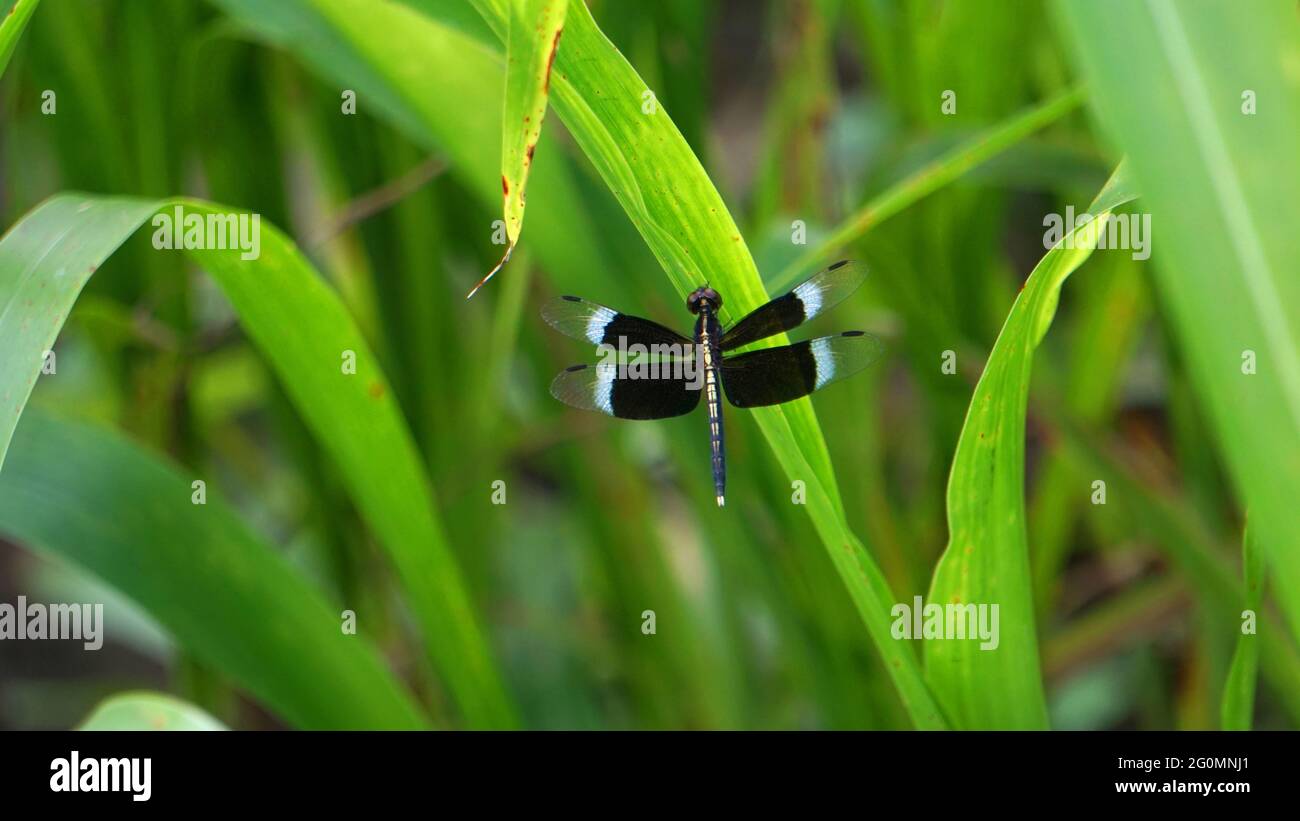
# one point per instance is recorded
(702, 295)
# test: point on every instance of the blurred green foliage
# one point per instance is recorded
(797, 110)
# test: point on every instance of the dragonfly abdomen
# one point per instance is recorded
(708, 335)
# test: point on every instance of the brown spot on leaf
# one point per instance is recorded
(550, 61)
(375, 390)
(529, 153)
(505, 186)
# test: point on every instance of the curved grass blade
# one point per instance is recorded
(148, 711)
(1238, 708)
(933, 176)
(1203, 100)
(986, 561)
(304, 331)
(11, 27)
(83, 493)
(535, 30)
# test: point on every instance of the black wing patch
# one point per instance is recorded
(775, 375)
(590, 322)
(817, 294)
(608, 388)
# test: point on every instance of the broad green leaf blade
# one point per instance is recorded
(1204, 100)
(650, 168)
(17, 13)
(986, 562)
(148, 711)
(1238, 708)
(84, 494)
(304, 331)
(45, 260)
(535, 30)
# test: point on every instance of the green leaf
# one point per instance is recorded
(148, 711)
(1238, 707)
(1175, 84)
(304, 331)
(535, 29)
(11, 28)
(986, 561)
(81, 493)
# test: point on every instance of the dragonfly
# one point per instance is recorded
(670, 372)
